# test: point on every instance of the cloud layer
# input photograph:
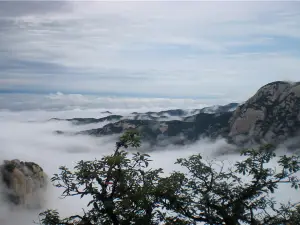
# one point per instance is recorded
(180, 49)
(90, 103)
(34, 141)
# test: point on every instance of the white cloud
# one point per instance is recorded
(36, 142)
(152, 47)
(77, 103)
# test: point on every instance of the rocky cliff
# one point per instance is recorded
(272, 115)
(23, 183)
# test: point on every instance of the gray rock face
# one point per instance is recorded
(24, 183)
(272, 115)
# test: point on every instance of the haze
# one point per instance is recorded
(27, 135)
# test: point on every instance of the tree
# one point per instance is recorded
(214, 195)
(125, 190)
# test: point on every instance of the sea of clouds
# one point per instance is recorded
(27, 134)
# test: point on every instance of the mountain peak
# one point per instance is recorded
(270, 116)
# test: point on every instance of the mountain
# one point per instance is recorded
(167, 115)
(271, 115)
(165, 132)
(220, 108)
(161, 128)
(83, 121)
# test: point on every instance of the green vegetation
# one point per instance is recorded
(10, 167)
(125, 190)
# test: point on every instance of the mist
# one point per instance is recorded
(29, 136)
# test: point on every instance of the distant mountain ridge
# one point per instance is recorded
(272, 115)
(166, 115)
(166, 132)
(82, 121)
(174, 126)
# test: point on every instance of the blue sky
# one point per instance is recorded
(207, 49)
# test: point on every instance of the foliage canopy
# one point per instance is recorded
(126, 191)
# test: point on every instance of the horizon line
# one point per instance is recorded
(104, 94)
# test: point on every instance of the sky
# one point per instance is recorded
(70, 59)
(218, 50)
